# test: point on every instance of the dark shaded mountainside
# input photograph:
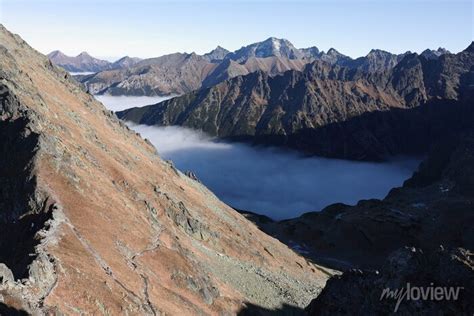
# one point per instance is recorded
(181, 73)
(421, 234)
(433, 213)
(372, 115)
(93, 221)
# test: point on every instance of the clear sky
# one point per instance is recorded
(146, 28)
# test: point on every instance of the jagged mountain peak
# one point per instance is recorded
(218, 50)
(84, 54)
(217, 54)
(378, 52)
(434, 54)
(277, 44)
(276, 41)
(272, 46)
(333, 51)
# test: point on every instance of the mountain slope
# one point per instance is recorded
(93, 221)
(170, 74)
(125, 62)
(269, 65)
(257, 104)
(306, 109)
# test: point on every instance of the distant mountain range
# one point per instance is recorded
(86, 63)
(333, 99)
(181, 73)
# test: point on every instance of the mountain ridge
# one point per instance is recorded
(278, 55)
(288, 108)
(84, 62)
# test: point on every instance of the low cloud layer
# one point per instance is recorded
(274, 182)
(278, 183)
(119, 103)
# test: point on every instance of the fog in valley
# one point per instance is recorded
(275, 182)
(119, 103)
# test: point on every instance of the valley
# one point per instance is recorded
(254, 159)
(275, 182)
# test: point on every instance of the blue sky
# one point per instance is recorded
(145, 28)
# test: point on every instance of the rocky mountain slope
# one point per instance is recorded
(94, 222)
(371, 114)
(166, 75)
(125, 62)
(405, 272)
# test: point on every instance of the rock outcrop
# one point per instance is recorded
(94, 222)
(411, 282)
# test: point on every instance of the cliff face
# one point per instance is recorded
(371, 114)
(93, 221)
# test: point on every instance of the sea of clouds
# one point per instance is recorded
(275, 182)
(119, 103)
